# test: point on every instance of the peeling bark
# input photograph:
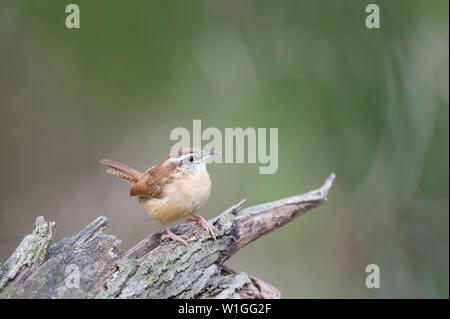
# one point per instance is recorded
(152, 268)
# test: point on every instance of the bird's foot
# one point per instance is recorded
(170, 235)
(204, 224)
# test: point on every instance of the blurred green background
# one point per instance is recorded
(371, 105)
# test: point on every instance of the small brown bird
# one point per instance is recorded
(175, 188)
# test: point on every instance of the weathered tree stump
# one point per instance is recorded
(150, 269)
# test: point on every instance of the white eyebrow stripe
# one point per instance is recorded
(182, 157)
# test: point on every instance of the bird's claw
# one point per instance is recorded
(204, 224)
(179, 238)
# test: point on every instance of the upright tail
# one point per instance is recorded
(121, 170)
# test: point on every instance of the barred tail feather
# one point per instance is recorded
(122, 171)
(121, 175)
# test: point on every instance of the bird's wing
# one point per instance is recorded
(153, 181)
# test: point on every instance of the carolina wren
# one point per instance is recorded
(173, 189)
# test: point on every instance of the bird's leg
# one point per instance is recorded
(171, 235)
(204, 223)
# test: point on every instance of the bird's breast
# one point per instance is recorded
(186, 194)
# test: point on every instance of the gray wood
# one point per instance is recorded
(151, 268)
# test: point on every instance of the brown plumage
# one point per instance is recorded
(152, 182)
(149, 184)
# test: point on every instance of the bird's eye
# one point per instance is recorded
(191, 159)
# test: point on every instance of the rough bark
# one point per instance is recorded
(150, 269)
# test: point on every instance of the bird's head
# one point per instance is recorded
(189, 160)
